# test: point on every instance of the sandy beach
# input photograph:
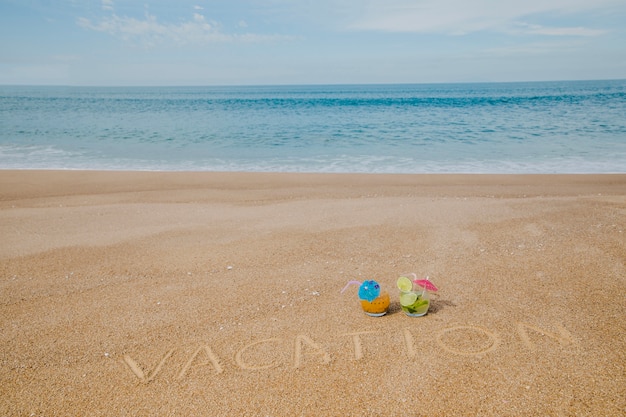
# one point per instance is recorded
(206, 294)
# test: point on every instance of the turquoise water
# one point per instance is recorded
(549, 127)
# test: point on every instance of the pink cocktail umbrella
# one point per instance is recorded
(425, 283)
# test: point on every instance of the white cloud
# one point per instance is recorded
(150, 31)
(533, 29)
(107, 4)
(465, 16)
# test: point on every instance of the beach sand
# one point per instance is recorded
(205, 294)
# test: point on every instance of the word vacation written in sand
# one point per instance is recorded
(307, 351)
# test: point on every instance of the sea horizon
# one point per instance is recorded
(192, 85)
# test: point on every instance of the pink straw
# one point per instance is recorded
(350, 283)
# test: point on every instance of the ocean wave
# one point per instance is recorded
(561, 127)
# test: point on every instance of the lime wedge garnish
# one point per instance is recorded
(404, 284)
(408, 299)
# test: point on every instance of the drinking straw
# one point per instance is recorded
(350, 283)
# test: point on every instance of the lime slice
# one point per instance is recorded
(408, 299)
(404, 284)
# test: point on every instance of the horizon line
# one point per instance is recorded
(305, 84)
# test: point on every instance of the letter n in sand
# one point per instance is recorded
(564, 337)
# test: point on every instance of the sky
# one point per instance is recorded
(270, 42)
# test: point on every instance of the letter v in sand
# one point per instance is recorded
(145, 378)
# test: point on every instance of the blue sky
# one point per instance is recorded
(242, 42)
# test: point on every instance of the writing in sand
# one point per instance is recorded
(307, 351)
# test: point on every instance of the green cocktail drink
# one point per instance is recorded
(414, 303)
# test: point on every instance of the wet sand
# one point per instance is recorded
(160, 294)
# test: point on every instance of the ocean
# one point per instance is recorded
(534, 127)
